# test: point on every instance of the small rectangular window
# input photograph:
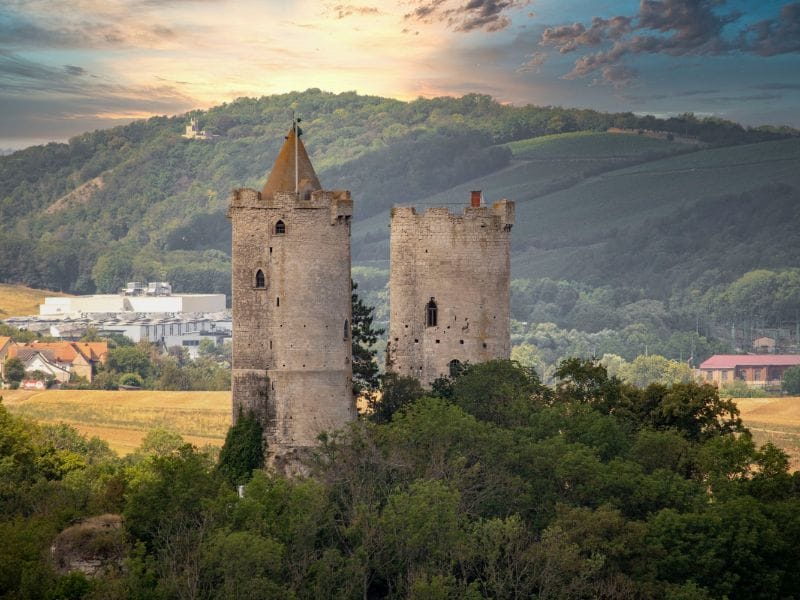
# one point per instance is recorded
(277, 301)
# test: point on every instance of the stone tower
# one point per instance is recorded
(449, 288)
(291, 305)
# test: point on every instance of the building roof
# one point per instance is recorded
(282, 176)
(64, 352)
(731, 361)
(4, 339)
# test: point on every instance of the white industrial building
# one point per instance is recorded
(140, 311)
(117, 303)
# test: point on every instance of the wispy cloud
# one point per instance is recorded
(342, 11)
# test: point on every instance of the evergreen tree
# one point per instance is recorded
(243, 450)
(364, 335)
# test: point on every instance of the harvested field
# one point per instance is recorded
(123, 418)
(775, 420)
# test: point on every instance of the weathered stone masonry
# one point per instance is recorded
(291, 306)
(449, 288)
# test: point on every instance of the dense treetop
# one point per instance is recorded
(493, 486)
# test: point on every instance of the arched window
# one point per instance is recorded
(346, 329)
(455, 367)
(431, 314)
(261, 281)
(280, 228)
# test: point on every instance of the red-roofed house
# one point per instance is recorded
(61, 359)
(754, 369)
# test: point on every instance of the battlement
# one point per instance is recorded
(500, 215)
(338, 202)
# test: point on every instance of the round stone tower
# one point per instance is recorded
(449, 289)
(292, 306)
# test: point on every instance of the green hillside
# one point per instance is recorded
(611, 220)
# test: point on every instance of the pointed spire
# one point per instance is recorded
(282, 176)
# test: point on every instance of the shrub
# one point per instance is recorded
(740, 389)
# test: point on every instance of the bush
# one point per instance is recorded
(791, 380)
(740, 389)
(131, 379)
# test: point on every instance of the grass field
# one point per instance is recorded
(19, 301)
(124, 418)
(593, 144)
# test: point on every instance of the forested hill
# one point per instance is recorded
(694, 206)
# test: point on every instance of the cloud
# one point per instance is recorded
(673, 28)
(73, 70)
(68, 94)
(19, 32)
(342, 11)
(618, 76)
(776, 86)
(533, 64)
(568, 38)
(775, 36)
(488, 15)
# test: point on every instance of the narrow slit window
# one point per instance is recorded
(261, 281)
(346, 329)
(280, 228)
(277, 301)
(431, 314)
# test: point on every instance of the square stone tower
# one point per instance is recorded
(291, 305)
(449, 288)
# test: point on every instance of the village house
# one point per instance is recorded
(753, 369)
(60, 360)
(764, 344)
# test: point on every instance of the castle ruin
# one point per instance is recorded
(291, 305)
(449, 288)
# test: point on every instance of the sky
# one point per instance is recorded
(69, 66)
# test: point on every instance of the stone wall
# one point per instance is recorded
(462, 263)
(291, 347)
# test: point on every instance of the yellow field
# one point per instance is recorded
(775, 420)
(124, 418)
(19, 301)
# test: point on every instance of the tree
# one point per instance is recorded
(791, 380)
(645, 370)
(129, 359)
(695, 410)
(172, 376)
(397, 391)
(112, 270)
(500, 391)
(243, 450)
(364, 335)
(14, 370)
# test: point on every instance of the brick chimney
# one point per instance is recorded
(475, 198)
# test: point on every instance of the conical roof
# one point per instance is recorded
(282, 176)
